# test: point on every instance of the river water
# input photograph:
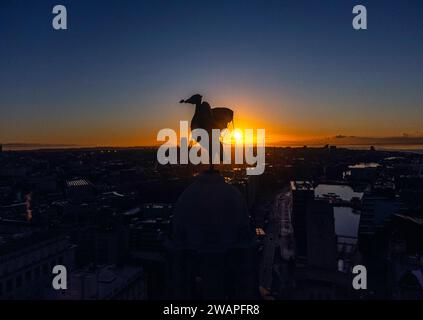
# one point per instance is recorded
(346, 219)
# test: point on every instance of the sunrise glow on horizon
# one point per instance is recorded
(118, 84)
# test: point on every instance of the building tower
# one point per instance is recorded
(302, 200)
(212, 250)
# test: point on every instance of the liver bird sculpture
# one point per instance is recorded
(208, 118)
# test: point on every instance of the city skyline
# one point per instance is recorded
(297, 69)
(211, 158)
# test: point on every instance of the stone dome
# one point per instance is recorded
(211, 215)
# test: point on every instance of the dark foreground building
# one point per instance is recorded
(212, 250)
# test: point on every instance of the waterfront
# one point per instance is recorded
(347, 219)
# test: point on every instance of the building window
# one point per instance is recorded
(18, 281)
(9, 285)
(45, 268)
(28, 276)
(37, 272)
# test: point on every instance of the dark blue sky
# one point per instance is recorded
(296, 68)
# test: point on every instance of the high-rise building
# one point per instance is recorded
(321, 238)
(316, 276)
(377, 210)
(302, 198)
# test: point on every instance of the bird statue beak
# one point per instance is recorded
(182, 101)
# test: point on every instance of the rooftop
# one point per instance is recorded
(28, 240)
(365, 166)
(302, 185)
(77, 183)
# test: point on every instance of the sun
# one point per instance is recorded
(237, 136)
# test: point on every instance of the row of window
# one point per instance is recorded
(27, 256)
(8, 286)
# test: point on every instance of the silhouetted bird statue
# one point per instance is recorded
(208, 118)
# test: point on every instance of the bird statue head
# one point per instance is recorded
(195, 99)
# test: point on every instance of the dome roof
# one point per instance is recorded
(211, 215)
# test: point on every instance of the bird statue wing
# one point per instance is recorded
(222, 117)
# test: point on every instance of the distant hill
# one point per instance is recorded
(32, 146)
